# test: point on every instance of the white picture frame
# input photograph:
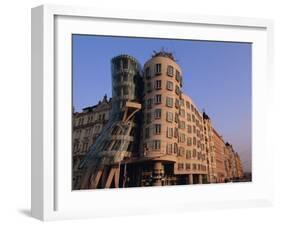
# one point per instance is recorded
(52, 197)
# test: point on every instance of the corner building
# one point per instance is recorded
(172, 127)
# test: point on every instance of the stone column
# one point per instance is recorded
(157, 174)
(190, 179)
(200, 179)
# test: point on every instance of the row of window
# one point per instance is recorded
(158, 85)
(169, 118)
(158, 100)
(194, 166)
(188, 154)
(99, 117)
(158, 71)
(88, 132)
(173, 132)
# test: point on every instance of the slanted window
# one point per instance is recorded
(169, 132)
(188, 104)
(169, 116)
(169, 101)
(189, 129)
(178, 76)
(182, 125)
(177, 90)
(189, 141)
(170, 71)
(177, 103)
(170, 85)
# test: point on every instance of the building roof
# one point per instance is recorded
(163, 54)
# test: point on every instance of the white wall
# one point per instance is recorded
(15, 110)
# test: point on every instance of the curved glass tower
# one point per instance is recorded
(117, 140)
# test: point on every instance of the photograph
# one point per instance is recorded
(160, 112)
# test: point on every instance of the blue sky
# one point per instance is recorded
(216, 75)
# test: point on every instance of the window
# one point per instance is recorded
(178, 76)
(157, 114)
(176, 117)
(157, 84)
(169, 102)
(158, 68)
(175, 148)
(189, 129)
(187, 166)
(181, 151)
(188, 117)
(188, 154)
(182, 125)
(170, 85)
(192, 108)
(176, 133)
(149, 103)
(194, 140)
(156, 144)
(147, 132)
(193, 118)
(189, 141)
(182, 137)
(194, 166)
(157, 128)
(158, 99)
(148, 118)
(169, 132)
(170, 71)
(177, 104)
(194, 153)
(177, 90)
(182, 113)
(180, 166)
(194, 129)
(148, 87)
(188, 104)
(169, 149)
(169, 116)
(147, 73)
(181, 102)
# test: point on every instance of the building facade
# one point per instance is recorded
(172, 142)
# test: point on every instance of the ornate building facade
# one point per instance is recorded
(159, 137)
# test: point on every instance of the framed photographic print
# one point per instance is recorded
(142, 112)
